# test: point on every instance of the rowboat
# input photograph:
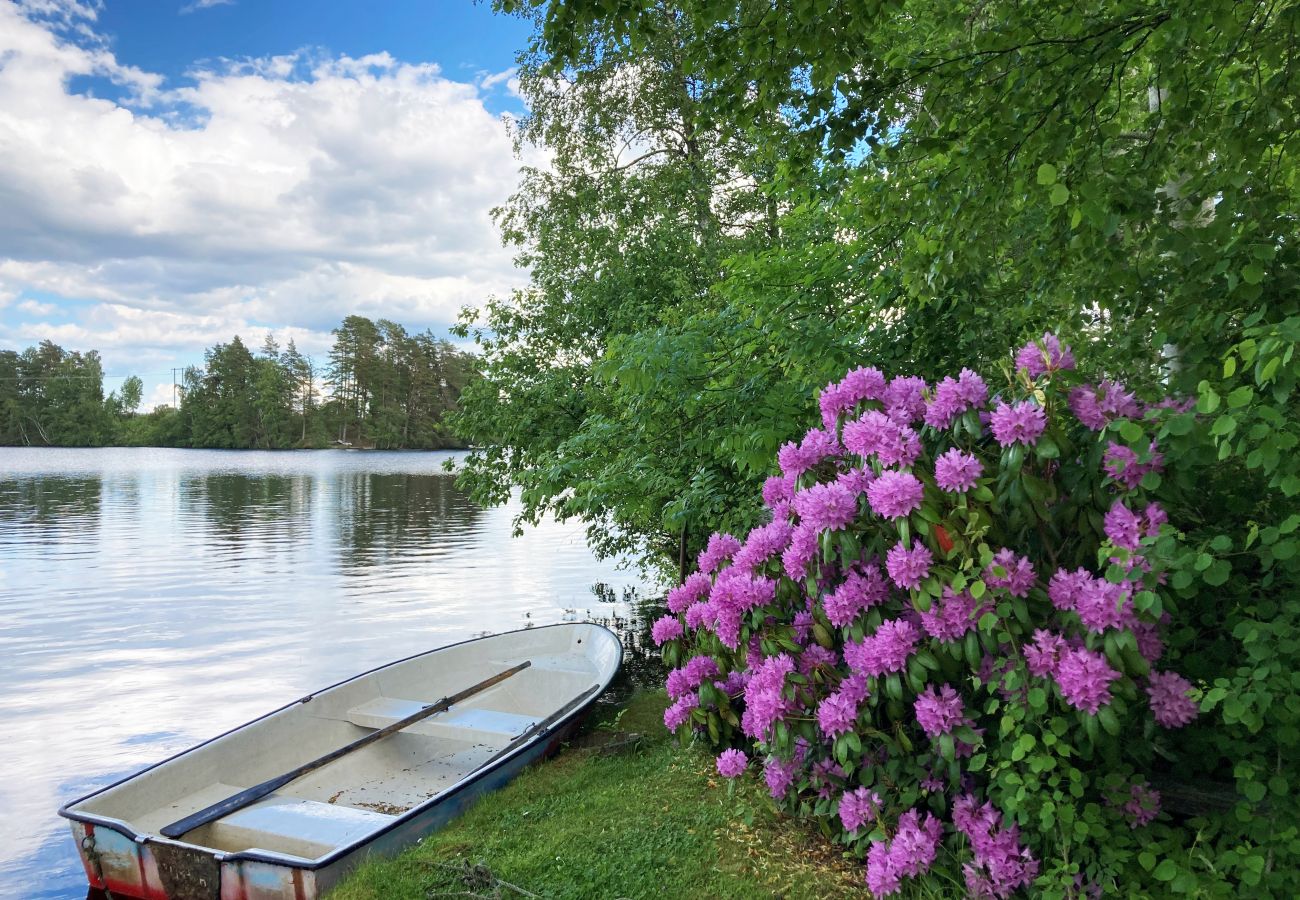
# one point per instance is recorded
(285, 806)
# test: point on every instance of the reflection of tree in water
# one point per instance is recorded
(642, 665)
(241, 507)
(53, 510)
(384, 515)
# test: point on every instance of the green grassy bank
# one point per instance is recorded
(644, 820)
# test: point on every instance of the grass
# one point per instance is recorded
(648, 821)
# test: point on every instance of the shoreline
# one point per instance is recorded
(623, 811)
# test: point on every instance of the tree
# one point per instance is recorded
(624, 233)
(132, 392)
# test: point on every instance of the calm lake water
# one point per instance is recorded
(150, 599)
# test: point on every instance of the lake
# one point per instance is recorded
(153, 598)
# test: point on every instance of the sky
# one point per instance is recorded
(176, 172)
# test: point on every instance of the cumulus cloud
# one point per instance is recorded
(279, 193)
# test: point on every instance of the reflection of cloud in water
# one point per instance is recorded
(151, 599)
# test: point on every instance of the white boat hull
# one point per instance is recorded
(303, 839)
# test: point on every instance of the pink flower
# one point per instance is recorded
(858, 807)
(939, 713)
(905, 399)
(1123, 526)
(826, 507)
(885, 651)
(916, 843)
(762, 544)
(1041, 357)
(1018, 573)
(895, 494)
(858, 385)
(908, 568)
(732, 763)
(1019, 424)
(951, 616)
(693, 588)
(858, 593)
(779, 776)
(765, 703)
(1044, 653)
(836, 715)
(883, 878)
(802, 549)
(1084, 678)
(1063, 589)
(1170, 703)
(778, 489)
(720, 547)
(667, 628)
(679, 713)
(956, 472)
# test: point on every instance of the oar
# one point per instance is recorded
(258, 791)
(539, 726)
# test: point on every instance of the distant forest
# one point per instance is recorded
(382, 388)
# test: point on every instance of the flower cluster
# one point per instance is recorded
(1001, 863)
(952, 574)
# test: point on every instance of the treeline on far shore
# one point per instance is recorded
(381, 387)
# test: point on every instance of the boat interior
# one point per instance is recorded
(365, 790)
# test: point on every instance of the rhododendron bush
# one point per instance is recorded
(947, 644)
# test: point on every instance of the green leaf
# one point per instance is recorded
(1059, 194)
(1047, 174)
(1166, 870)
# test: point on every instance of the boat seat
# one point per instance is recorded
(306, 828)
(473, 724)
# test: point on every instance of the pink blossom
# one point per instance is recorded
(826, 507)
(908, 568)
(1170, 701)
(895, 494)
(732, 763)
(1022, 423)
(939, 713)
(720, 547)
(693, 588)
(858, 807)
(1084, 678)
(951, 616)
(1123, 526)
(1042, 357)
(859, 592)
(836, 715)
(885, 651)
(1017, 576)
(957, 472)
(666, 628)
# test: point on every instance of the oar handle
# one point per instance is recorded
(271, 785)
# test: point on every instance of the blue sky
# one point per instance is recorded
(174, 173)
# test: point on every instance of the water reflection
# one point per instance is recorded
(152, 598)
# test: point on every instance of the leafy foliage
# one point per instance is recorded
(920, 176)
(1027, 677)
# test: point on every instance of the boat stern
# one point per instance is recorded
(166, 870)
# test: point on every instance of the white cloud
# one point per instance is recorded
(163, 394)
(489, 81)
(35, 308)
(278, 193)
(204, 4)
